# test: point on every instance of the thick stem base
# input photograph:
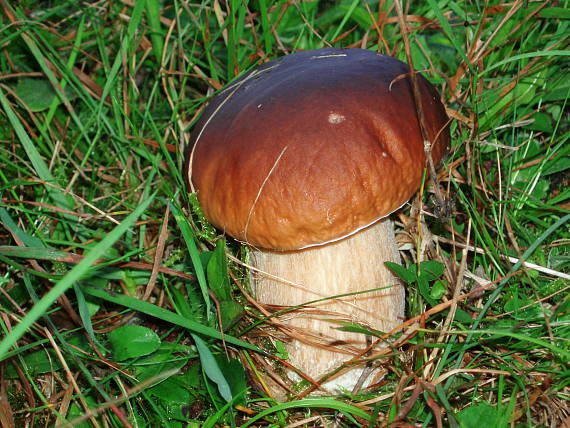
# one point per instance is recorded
(354, 264)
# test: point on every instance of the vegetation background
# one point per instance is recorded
(113, 288)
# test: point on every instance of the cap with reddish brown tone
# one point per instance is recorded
(313, 147)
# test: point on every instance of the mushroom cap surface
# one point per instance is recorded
(312, 147)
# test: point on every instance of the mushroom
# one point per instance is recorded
(303, 159)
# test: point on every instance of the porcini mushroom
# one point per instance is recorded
(303, 159)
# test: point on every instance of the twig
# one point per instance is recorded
(511, 259)
(159, 253)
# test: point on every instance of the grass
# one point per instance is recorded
(113, 287)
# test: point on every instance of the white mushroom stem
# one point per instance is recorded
(352, 265)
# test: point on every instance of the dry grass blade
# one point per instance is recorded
(6, 413)
(158, 254)
(70, 377)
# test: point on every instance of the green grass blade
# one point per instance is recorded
(43, 62)
(84, 312)
(111, 83)
(523, 56)
(266, 26)
(153, 14)
(165, 315)
(211, 368)
(345, 18)
(500, 286)
(69, 65)
(12, 227)
(37, 161)
(522, 337)
(34, 253)
(327, 403)
(68, 280)
(449, 32)
(188, 236)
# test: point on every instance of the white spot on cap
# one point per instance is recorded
(336, 118)
(384, 154)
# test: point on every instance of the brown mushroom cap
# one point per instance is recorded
(313, 147)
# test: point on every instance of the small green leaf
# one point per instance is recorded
(555, 12)
(357, 328)
(132, 341)
(34, 253)
(36, 362)
(281, 351)
(559, 164)
(156, 36)
(523, 308)
(219, 282)
(45, 360)
(234, 373)
(437, 290)
(428, 272)
(172, 391)
(173, 398)
(37, 94)
(477, 416)
(431, 270)
(424, 289)
(408, 275)
(462, 316)
(211, 368)
(77, 411)
(557, 94)
(541, 122)
(217, 272)
(190, 306)
(231, 311)
(167, 358)
(496, 105)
